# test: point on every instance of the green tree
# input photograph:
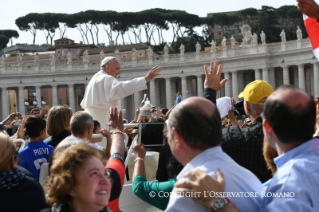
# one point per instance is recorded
(249, 15)
(49, 23)
(122, 25)
(151, 20)
(29, 23)
(62, 19)
(267, 22)
(9, 34)
(207, 22)
(290, 17)
(109, 20)
(4, 40)
(224, 21)
(181, 21)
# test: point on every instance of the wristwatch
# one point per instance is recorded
(219, 203)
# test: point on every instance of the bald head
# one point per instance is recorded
(294, 98)
(291, 113)
(198, 121)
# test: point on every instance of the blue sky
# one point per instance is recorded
(12, 9)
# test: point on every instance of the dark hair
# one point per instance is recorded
(291, 124)
(198, 130)
(34, 125)
(96, 125)
(34, 109)
(164, 111)
(156, 119)
(173, 167)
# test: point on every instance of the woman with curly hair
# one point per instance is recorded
(78, 181)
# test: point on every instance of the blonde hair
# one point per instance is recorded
(7, 151)
(58, 119)
(269, 154)
(63, 172)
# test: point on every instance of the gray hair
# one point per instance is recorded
(80, 122)
(256, 110)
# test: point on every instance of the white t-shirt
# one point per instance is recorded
(96, 146)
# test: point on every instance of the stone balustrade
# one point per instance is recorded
(163, 59)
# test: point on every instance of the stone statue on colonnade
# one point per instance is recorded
(3, 61)
(150, 52)
(255, 39)
(213, 46)
(299, 33)
(263, 37)
(166, 50)
(117, 54)
(134, 57)
(247, 36)
(198, 47)
(182, 49)
(102, 55)
(224, 43)
(19, 59)
(86, 57)
(232, 41)
(36, 59)
(283, 36)
(52, 59)
(69, 58)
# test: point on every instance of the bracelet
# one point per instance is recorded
(118, 132)
(138, 158)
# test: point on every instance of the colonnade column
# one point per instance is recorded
(38, 95)
(257, 74)
(227, 85)
(123, 104)
(235, 84)
(4, 102)
(285, 72)
(272, 78)
(137, 100)
(55, 101)
(184, 88)
(200, 85)
(152, 93)
(21, 100)
(301, 77)
(168, 89)
(316, 78)
(265, 75)
(71, 97)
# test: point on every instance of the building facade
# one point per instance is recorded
(279, 63)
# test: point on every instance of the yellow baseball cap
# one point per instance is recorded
(256, 91)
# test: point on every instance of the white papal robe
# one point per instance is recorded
(104, 91)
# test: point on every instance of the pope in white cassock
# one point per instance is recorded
(105, 91)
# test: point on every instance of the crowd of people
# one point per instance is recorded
(268, 150)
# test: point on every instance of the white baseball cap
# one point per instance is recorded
(106, 60)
